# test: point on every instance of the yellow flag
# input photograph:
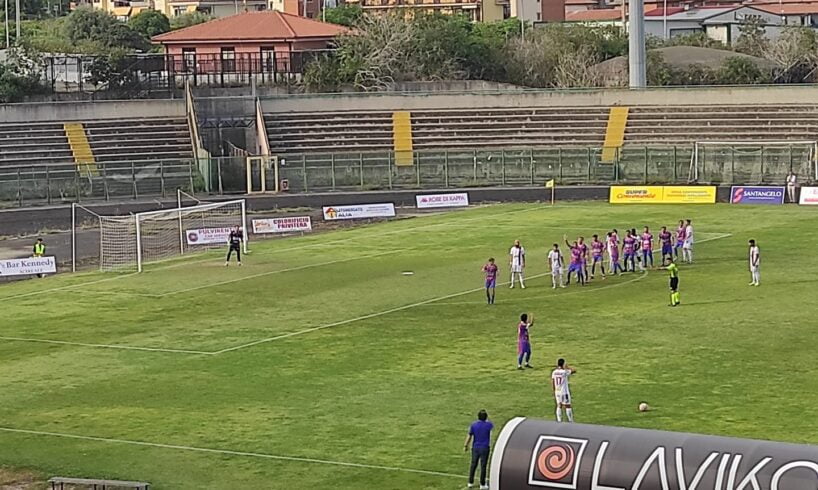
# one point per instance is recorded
(549, 183)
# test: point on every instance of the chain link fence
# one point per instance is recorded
(48, 184)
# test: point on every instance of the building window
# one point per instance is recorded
(261, 7)
(268, 59)
(177, 11)
(188, 59)
(228, 59)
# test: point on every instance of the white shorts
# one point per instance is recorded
(556, 271)
(515, 268)
(563, 398)
(753, 268)
(688, 244)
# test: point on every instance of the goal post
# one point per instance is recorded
(752, 161)
(129, 242)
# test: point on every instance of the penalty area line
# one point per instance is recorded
(228, 452)
(106, 346)
(360, 318)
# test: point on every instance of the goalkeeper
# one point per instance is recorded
(234, 240)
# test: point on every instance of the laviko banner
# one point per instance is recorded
(809, 196)
(757, 194)
(453, 200)
(29, 266)
(655, 194)
(535, 454)
(384, 210)
(282, 225)
(206, 236)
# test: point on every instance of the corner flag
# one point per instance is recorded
(549, 184)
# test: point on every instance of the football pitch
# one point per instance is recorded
(320, 364)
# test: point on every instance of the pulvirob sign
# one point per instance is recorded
(535, 454)
(757, 194)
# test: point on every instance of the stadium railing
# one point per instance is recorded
(432, 169)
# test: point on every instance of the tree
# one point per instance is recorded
(738, 70)
(752, 39)
(149, 23)
(19, 75)
(189, 19)
(795, 52)
(344, 15)
(102, 29)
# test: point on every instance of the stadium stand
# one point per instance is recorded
(34, 143)
(142, 139)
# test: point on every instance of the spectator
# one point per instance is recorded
(480, 439)
(792, 185)
(39, 250)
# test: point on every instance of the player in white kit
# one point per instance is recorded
(687, 247)
(755, 261)
(556, 260)
(562, 393)
(517, 254)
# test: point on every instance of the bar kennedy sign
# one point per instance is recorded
(23, 267)
(459, 199)
(757, 194)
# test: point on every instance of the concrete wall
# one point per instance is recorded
(86, 111)
(790, 94)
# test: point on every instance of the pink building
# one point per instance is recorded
(248, 43)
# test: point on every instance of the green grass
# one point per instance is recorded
(399, 389)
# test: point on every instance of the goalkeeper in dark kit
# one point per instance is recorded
(234, 240)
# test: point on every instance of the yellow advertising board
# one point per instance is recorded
(629, 194)
(656, 194)
(685, 194)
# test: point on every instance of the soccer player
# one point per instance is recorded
(490, 270)
(597, 250)
(755, 260)
(647, 247)
(235, 239)
(562, 393)
(613, 255)
(523, 341)
(680, 237)
(584, 249)
(637, 248)
(576, 262)
(628, 250)
(673, 271)
(517, 254)
(557, 262)
(687, 247)
(666, 238)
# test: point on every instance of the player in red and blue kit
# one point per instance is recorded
(576, 262)
(584, 249)
(597, 251)
(647, 247)
(523, 341)
(490, 270)
(666, 239)
(613, 254)
(681, 234)
(629, 251)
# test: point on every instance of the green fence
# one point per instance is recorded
(431, 169)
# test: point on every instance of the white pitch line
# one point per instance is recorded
(364, 317)
(229, 452)
(43, 292)
(107, 346)
(278, 271)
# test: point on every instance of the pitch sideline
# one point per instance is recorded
(229, 452)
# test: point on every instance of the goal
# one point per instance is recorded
(749, 162)
(128, 243)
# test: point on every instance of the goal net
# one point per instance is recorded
(752, 162)
(127, 243)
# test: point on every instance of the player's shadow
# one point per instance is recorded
(713, 302)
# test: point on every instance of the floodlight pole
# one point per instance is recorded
(17, 21)
(637, 73)
(8, 34)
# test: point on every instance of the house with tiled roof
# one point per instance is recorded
(247, 43)
(721, 23)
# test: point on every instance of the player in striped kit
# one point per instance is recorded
(613, 254)
(517, 263)
(647, 247)
(628, 250)
(680, 237)
(557, 262)
(666, 239)
(597, 251)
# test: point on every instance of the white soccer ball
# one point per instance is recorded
(643, 407)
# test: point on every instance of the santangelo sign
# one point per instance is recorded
(535, 454)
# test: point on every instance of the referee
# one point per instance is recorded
(235, 239)
(673, 271)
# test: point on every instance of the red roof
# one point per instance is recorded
(268, 25)
(598, 15)
(788, 8)
(661, 12)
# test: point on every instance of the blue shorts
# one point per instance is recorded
(679, 243)
(629, 255)
(574, 267)
(667, 250)
(646, 253)
(524, 348)
(597, 258)
(490, 283)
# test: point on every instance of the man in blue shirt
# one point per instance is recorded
(480, 438)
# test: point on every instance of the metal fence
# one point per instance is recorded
(431, 169)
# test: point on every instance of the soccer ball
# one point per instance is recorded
(643, 407)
